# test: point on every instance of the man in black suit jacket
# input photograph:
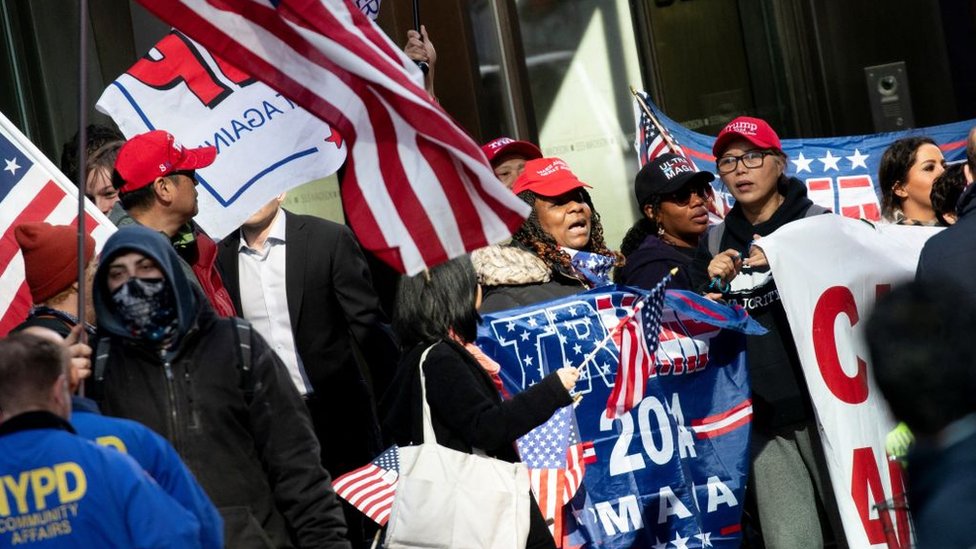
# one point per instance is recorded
(335, 318)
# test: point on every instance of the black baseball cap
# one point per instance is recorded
(666, 174)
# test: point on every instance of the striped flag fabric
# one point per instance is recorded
(649, 141)
(724, 422)
(32, 189)
(417, 190)
(556, 461)
(372, 487)
(637, 339)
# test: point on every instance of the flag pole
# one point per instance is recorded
(82, 156)
(424, 67)
(657, 124)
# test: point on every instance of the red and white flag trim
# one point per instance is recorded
(417, 190)
(723, 422)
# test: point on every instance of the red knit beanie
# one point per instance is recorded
(50, 257)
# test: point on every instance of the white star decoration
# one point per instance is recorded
(12, 166)
(705, 537)
(660, 544)
(830, 161)
(802, 163)
(857, 159)
(679, 542)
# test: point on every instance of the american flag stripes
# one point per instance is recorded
(637, 339)
(417, 190)
(32, 189)
(372, 487)
(649, 142)
(556, 460)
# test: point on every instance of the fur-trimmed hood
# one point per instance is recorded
(505, 265)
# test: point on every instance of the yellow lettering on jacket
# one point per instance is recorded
(112, 442)
(18, 489)
(42, 484)
(66, 479)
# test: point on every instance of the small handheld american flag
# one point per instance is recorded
(637, 339)
(556, 460)
(371, 488)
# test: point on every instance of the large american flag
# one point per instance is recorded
(556, 460)
(417, 189)
(32, 189)
(372, 487)
(637, 339)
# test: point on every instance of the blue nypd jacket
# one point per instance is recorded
(157, 457)
(59, 490)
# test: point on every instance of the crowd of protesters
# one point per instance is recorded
(261, 375)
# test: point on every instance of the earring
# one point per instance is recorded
(660, 231)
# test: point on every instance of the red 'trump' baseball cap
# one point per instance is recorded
(547, 177)
(156, 154)
(754, 130)
(506, 145)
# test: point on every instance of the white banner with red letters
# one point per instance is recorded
(829, 270)
(266, 144)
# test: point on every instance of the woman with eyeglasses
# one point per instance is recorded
(789, 484)
(908, 168)
(672, 196)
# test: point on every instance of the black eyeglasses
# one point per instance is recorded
(751, 160)
(682, 196)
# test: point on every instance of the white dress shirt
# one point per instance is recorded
(264, 299)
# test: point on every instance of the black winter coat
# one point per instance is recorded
(652, 261)
(467, 412)
(951, 254)
(247, 438)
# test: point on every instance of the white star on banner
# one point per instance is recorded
(705, 537)
(802, 163)
(857, 159)
(679, 542)
(524, 335)
(510, 326)
(577, 349)
(660, 544)
(12, 166)
(830, 162)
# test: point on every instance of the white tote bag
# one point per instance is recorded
(447, 499)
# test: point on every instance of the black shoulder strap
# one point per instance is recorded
(242, 335)
(93, 387)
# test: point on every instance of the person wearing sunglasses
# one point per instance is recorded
(672, 196)
(788, 480)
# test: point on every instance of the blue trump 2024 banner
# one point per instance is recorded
(672, 471)
(841, 173)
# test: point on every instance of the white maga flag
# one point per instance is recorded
(265, 143)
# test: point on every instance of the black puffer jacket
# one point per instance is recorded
(246, 437)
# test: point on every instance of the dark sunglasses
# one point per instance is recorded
(682, 196)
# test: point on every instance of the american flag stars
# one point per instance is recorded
(830, 162)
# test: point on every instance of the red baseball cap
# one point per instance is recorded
(156, 154)
(506, 145)
(754, 130)
(547, 177)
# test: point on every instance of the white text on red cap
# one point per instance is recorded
(743, 127)
(553, 167)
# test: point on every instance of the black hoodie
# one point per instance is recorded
(247, 438)
(780, 396)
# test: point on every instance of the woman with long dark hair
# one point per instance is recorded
(437, 310)
(908, 168)
(672, 196)
(558, 251)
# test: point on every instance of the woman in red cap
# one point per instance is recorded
(558, 251)
(672, 195)
(788, 481)
(508, 157)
